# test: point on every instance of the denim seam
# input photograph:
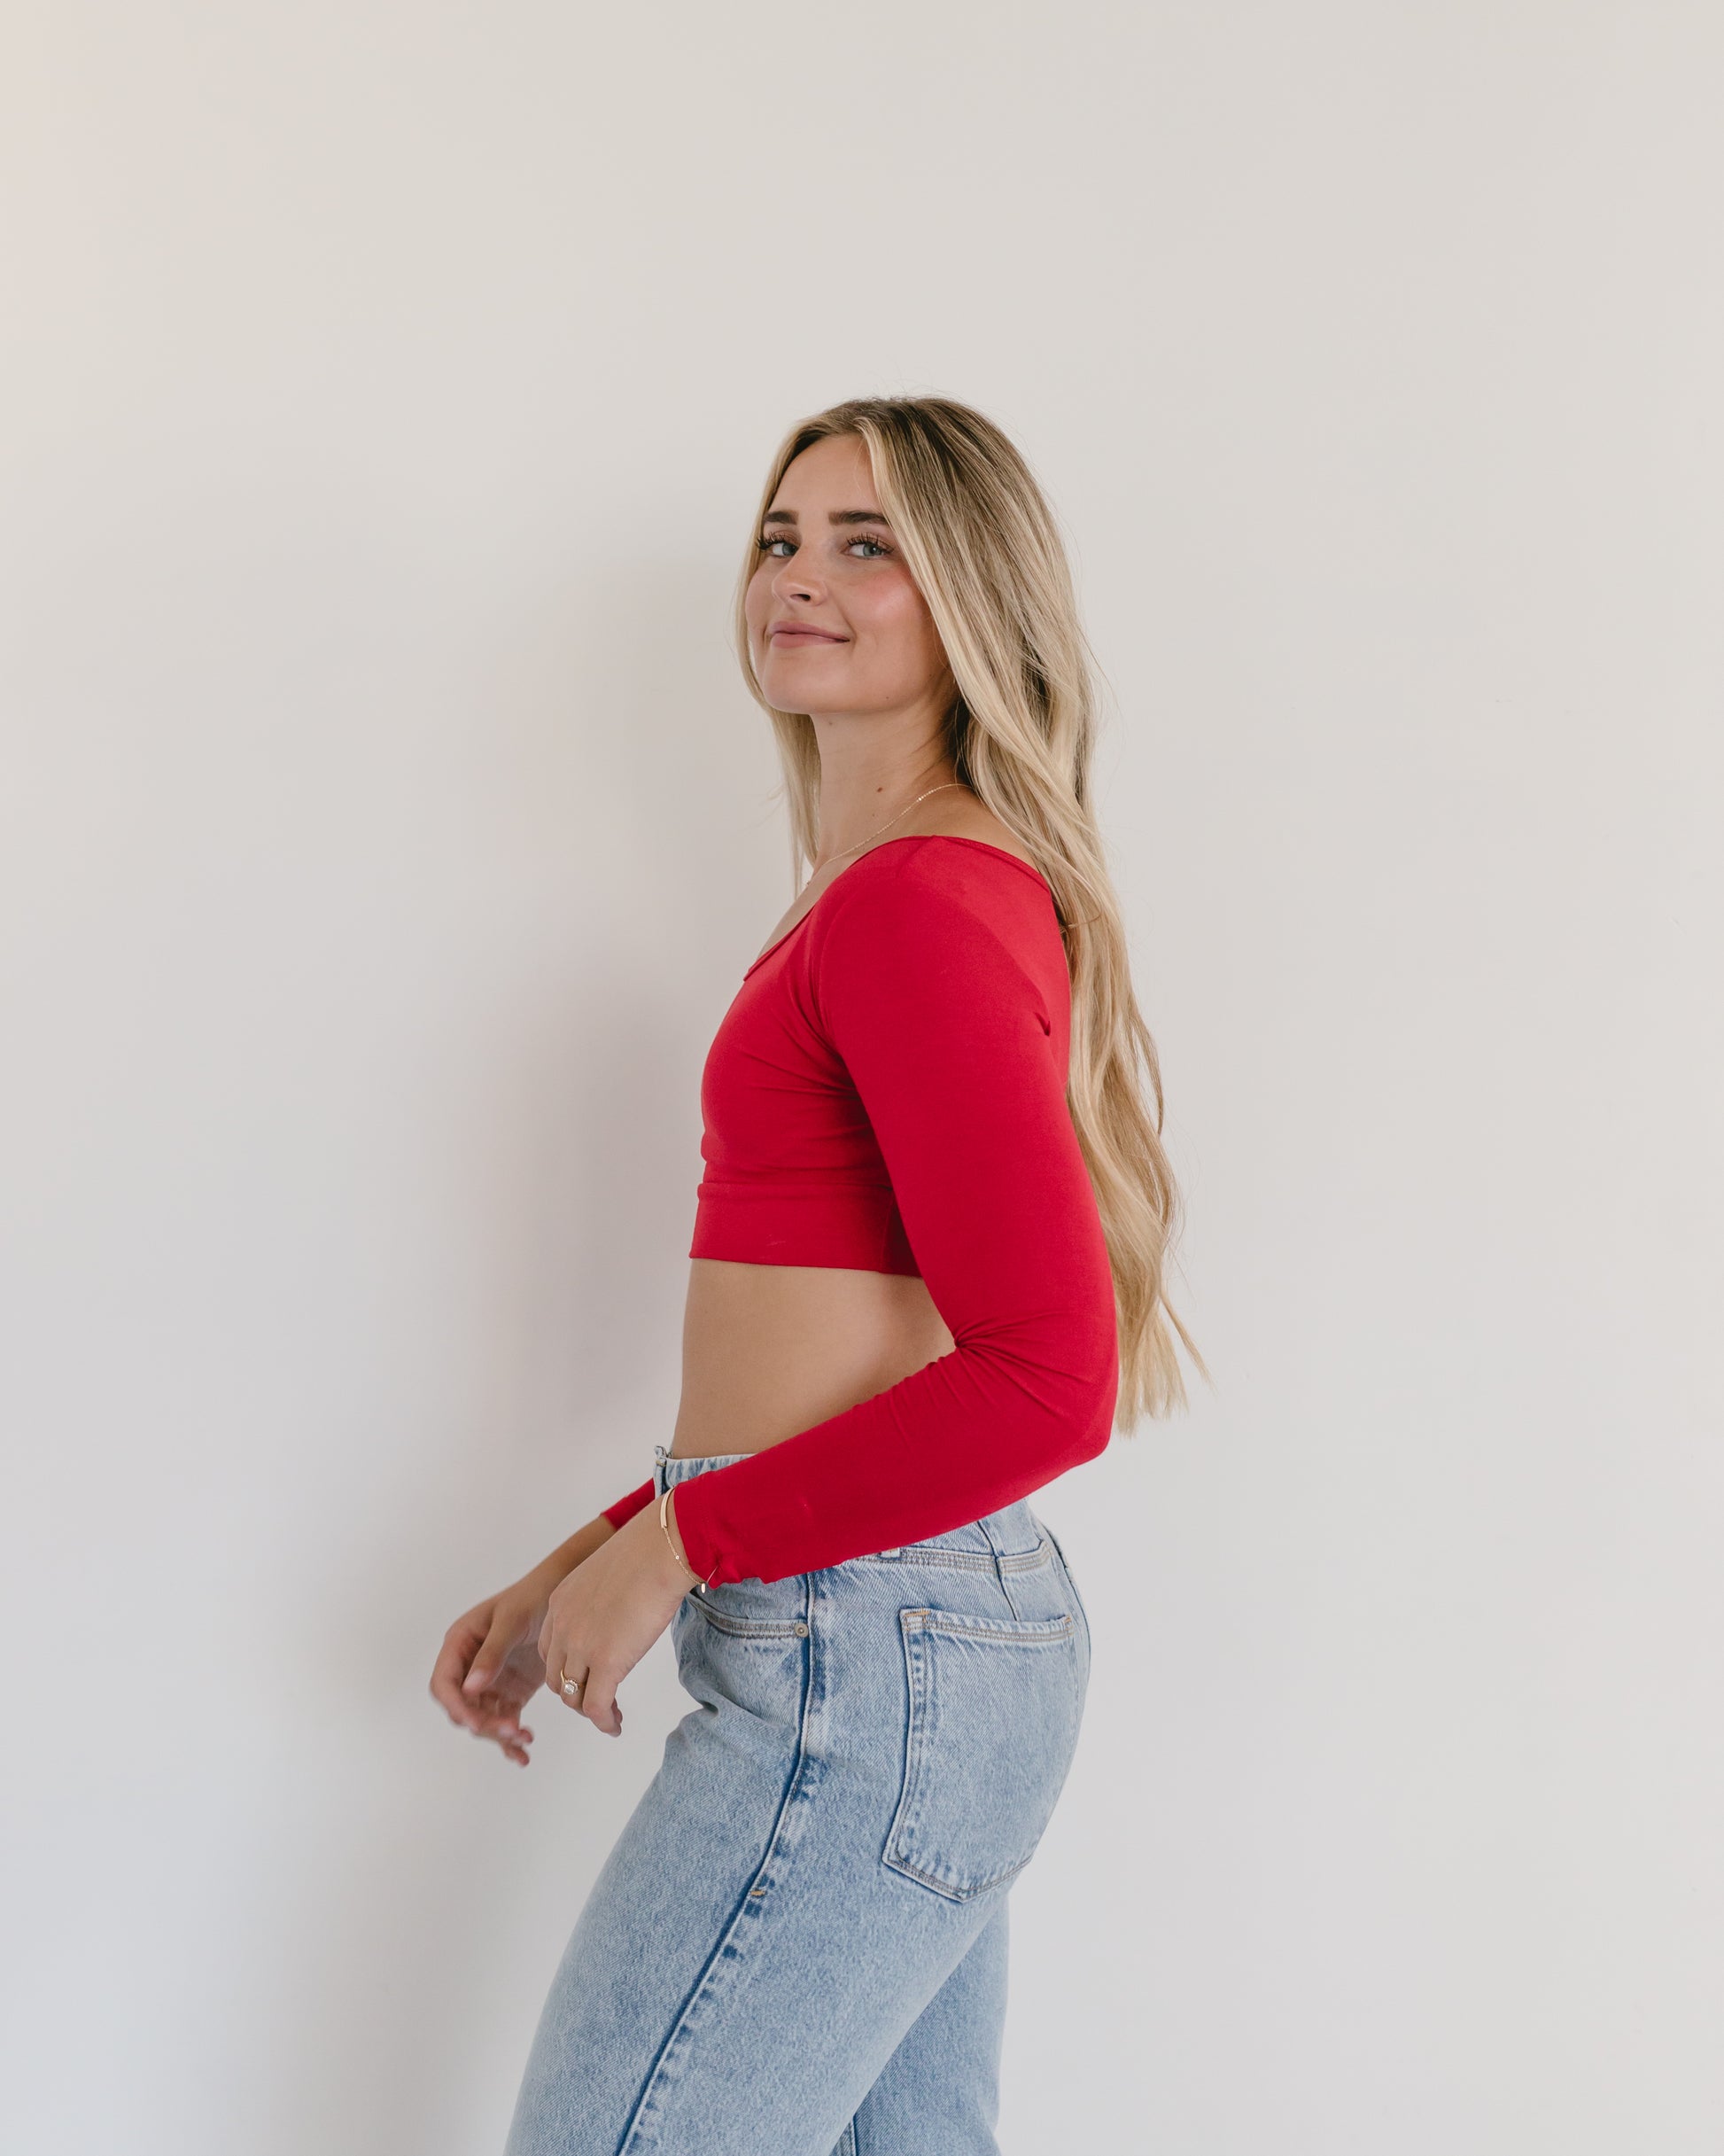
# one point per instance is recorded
(944, 1887)
(1039, 1632)
(641, 2132)
(749, 1627)
(1072, 1587)
(1004, 1573)
(962, 1561)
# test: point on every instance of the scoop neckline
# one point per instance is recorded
(905, 839)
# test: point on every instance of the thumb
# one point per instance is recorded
(492, 1655)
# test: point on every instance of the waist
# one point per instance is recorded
(1010, 1540)
(768, 1350)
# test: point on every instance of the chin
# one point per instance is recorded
(784, 684)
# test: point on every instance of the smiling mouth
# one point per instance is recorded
(804, 636)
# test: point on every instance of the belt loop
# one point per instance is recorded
(989, 1529)
(986, 1523)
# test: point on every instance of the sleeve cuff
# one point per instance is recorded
(625, 1508)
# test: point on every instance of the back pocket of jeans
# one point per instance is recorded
(994, 1709)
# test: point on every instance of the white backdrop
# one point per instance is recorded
(384, 831)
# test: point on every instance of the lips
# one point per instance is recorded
(795, 633)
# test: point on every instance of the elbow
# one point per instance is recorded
(1053, 1378)
(1091, 1369)
(1103, 1369)
(1100, 1399)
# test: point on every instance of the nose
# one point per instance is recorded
(795, 581)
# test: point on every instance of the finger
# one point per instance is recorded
(570, 1688)
(494, 1652)
(515, 1747)
(552, 1654)
(598, 1702)
(506, 1733)
(459, 1647)
(495, 1715)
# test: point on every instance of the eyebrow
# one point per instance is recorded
(834, 516)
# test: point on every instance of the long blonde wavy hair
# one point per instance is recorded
(980, 542)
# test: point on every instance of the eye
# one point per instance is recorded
(770, 542)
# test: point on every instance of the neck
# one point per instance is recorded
(872, 768)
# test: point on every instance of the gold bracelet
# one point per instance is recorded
(663, 1503)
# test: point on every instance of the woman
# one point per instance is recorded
(927, 1277)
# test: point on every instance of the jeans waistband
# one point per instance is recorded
(667, 1469)
(1012, 1539)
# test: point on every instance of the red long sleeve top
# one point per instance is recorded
(886, 1091)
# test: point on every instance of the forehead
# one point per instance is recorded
(824, 470)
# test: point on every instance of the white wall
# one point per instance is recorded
(385, 828)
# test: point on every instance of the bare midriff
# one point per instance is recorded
(769, 1351)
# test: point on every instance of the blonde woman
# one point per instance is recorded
(927, 1277)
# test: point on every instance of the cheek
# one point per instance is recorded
(898, 622)
(757, 601)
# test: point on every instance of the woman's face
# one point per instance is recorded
(835, 623)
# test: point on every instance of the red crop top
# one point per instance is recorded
(886, 1091)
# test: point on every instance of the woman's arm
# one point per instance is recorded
(960, 1065)
(625, 1508)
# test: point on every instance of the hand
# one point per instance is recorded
(489, 1665)
(604, 1617)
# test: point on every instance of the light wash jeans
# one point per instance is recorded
(797, 1947)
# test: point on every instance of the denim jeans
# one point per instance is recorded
(797, 1946)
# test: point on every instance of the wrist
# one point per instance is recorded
(670, 1535)
(672, 1531)
(553, 1571)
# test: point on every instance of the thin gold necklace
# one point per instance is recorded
(890, 821)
